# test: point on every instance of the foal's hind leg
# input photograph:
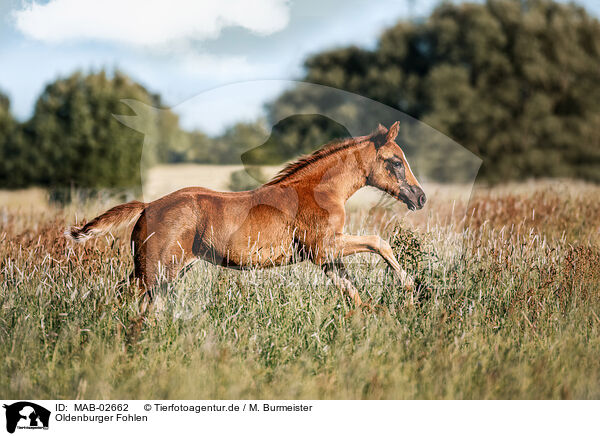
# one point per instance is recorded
(338, 274)
(148, 278)
(156, 276)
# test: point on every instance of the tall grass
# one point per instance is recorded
(507, 306)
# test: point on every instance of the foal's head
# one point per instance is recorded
(391, 172)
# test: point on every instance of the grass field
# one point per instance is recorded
(508, 307)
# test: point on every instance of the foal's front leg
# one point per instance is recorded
(345, 245)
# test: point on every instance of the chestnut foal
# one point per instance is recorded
(299, 215)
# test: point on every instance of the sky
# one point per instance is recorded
(183, 48)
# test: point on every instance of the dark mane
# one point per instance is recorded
(327, 150)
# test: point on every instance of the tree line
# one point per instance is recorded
(514, 81)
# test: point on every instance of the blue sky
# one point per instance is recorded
(181, 48)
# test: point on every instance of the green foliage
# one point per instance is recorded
(7, 122)
(167, 142)
(408, 247)
(13, 142)
(192, 147)
(7, 129)
(416, 253)
(229, 147)
(73, 140)
(246, 179)
(76, 139)
(514, 81)
(225, 149)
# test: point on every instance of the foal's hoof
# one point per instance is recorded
(406, 281)
(134, 330)
(350, 314)
(371, 308)
(367, 307)
(137, 325)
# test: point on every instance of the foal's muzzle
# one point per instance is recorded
(414, 197)
(421, 200)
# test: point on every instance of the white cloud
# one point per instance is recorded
(147, 22)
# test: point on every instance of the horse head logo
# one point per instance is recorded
(25, 414)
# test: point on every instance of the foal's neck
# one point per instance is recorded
(343, 173)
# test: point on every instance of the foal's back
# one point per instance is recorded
(234, 229)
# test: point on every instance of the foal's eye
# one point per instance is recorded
(399, 167)
(396, 165)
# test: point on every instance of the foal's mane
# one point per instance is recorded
(326, 150)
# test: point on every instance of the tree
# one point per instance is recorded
(7, 127)
(76, 141)
(12, 169)
(514, 81)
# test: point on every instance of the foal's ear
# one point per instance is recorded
(379, 135)
(393, 132)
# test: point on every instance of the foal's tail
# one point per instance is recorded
(123, 214)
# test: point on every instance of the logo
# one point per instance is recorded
(26, 415)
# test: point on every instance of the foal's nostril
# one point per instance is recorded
(422, 199)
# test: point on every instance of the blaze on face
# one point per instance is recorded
(392, 174)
